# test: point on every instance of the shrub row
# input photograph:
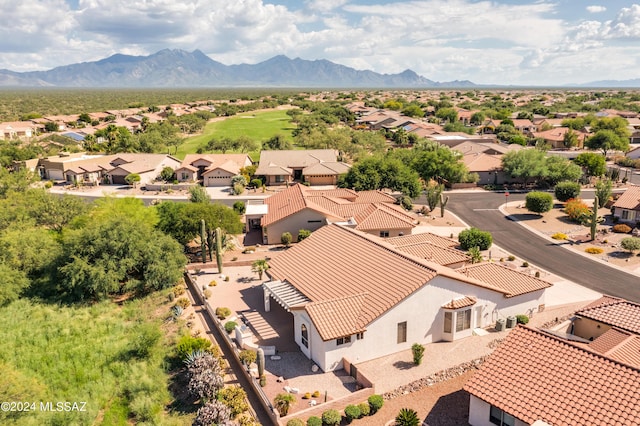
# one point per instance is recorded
(351, 412)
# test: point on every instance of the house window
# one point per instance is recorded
(279, 178)
(384, 234)
(343, 340)
(304, 335)
(185, 176)
(500, 418)
(625, 214)
(463, 320)
(359, 336)
(448, 318)
(402, 332)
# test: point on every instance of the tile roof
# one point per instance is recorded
(536, 376)
(374, 196)
(330, 274)
(461, 302)
(374, 216)
(426, 237)
(512, 283)
(481, 162)
(326, 168)
(339, 317)
(617, 313)
(216, 160)
(630, 199)
(296, 158)
(340, 262)
(345, 193)
(441, 255)
(618, 345)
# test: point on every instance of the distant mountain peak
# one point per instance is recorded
(180, 68)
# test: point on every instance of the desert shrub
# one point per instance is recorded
(286, 239)
(248, 249)
(256, 183)
(237, 189)
(295, 422)
(48, 184)
(314, 421)
(375, 402)
(631, 244)
(406, 203)
(171, 297)
(576, 209)
(522, 319)
(282, 402)
(307, 395)
(229, 326)
(418, 352)
(247, 356)
(222, 312)
(473, 237)
(538, 202)
(303, 234)
(183, 302)
(235, 398)
(148, 336)
(213, 283)
(331, 418)
(511, 258)
(178, 290)
(207, 293)
(352, 412)
(594, 250)
(239, 207)
(315, 394)
(226, 278)
(365, 409)
(621, 228)
(187, 345)
(564, 191)
(525, 264)
(559, 236)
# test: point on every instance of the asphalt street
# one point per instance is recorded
(481, 210)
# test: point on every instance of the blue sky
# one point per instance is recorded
(535, 42)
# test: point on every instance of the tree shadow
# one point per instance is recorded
(450, 409)
(403, 365)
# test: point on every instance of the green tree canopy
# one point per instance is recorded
(182, 220)
(607, 140)
(525, 164)
(382, 172)
(593, 164)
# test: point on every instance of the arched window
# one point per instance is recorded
(304, 335)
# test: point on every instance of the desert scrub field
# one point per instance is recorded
(258, 125)
(113, 357)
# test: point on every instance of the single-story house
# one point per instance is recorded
(488, 167)
(18, 130)
(316, 166)
(353, 296)
(431, 247)
(627, 206)
(148, 166)
(212, 169)
(535, 376)
(300, 207)
(605, 314)
(555, 137)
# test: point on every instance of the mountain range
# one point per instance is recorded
(178, 68)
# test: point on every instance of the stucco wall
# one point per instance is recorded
(479, 413)
(588, 328)
(425, 321)
(293, 224)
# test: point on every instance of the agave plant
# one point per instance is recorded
(213, 413)
(407, 417)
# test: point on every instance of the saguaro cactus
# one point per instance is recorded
(203, 241)
(593, 220)
(219, 249)
(260, 362)
(443, 203)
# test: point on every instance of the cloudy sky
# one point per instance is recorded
(534, 42)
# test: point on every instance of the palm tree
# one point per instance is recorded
(259, 266)
(282, 402)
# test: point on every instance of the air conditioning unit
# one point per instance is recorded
(500, 324)
(511, 322)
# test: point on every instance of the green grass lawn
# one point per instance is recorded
(259, 126)
(59, 353)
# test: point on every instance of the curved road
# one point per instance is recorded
(481, 210)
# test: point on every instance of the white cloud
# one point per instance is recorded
(324, 6)
(596, 9)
